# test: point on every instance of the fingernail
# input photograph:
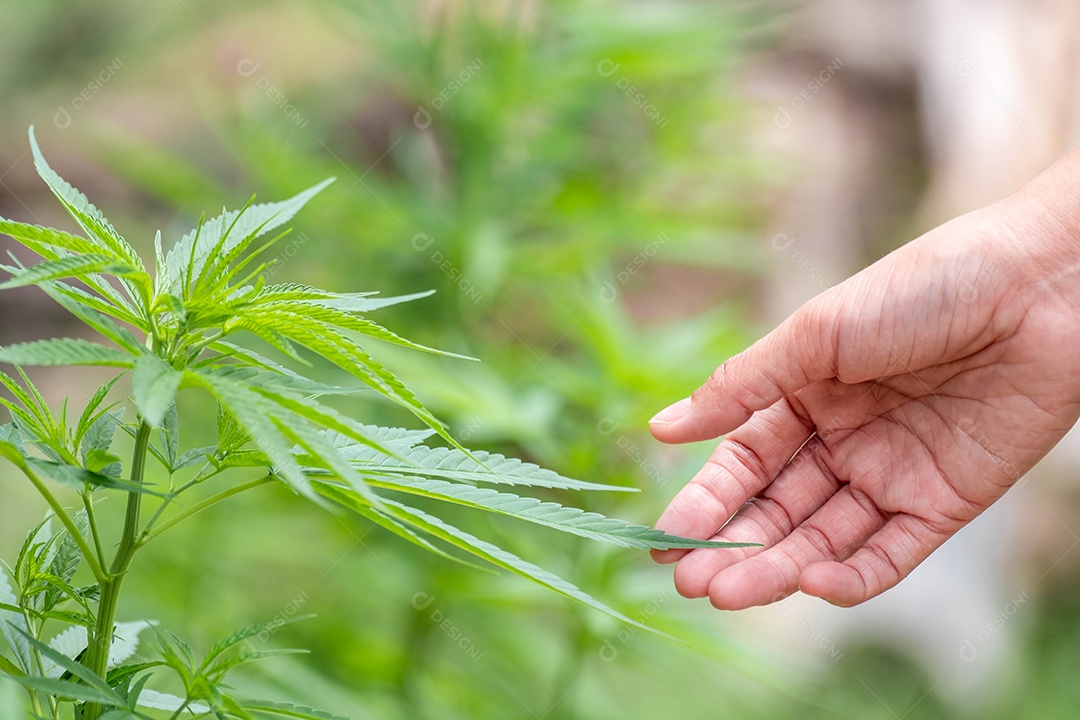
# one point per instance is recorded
(671, 413)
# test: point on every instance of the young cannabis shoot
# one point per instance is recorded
(182, 328)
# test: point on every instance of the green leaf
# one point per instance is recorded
(13, 625)
(97, 460)
(170, 433)
(27, 408)
(397, 440)
(153, 388)
(272, 337)
(73, 641)
(71, 266)
(264, 709)
(153, 700)
(99, 438)
(360, 303)
(118, 675)
(119, 715)
(351, 500)
(189, 256)
(64, 351)
(453, 464)
(231, 435)
(296, 312)
(226, 644)
(250, 410)
(6, 666)
(68, 557)
(96, 313)
(501, 558)
(71, 691)
(89, 217)
(349, 356)
(593, 526)
(92, 413)
(275, 382)
(254, 359)
(196, 456)
(239, 459)
(77, 478)
(11, 444)
(106, 694)
(315, 443)
(38, 238)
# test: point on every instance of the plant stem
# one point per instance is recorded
(171, 498)
(97, 659)
(92, 519)
(35, 702)
(69, 524)
(208, 502)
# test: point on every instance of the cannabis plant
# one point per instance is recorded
(183, 328)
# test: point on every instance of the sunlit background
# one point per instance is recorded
(609, 198)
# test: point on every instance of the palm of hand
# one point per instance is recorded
(912, 430)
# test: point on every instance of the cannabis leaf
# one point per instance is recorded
(188, 327)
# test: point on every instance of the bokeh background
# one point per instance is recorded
(610, 197)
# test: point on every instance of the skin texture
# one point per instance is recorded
(888, 412)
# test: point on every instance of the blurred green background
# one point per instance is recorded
(586, 186)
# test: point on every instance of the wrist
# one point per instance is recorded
(1044, 219)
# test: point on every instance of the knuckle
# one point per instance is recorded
(726, 385)
(886, 572)
(820, 541)
(777, 516)
(748, 460)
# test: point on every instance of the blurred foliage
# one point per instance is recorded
(573, 176)
(517, 160)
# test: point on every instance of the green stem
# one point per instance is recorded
(92, 519)
(180, 710)
(195, 349)
(97, 659)
(69, 524)
(199, 507)
(35, 702)
(171, 498)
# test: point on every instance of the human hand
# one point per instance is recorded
(888, 412)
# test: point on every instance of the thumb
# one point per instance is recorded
(801, 351)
